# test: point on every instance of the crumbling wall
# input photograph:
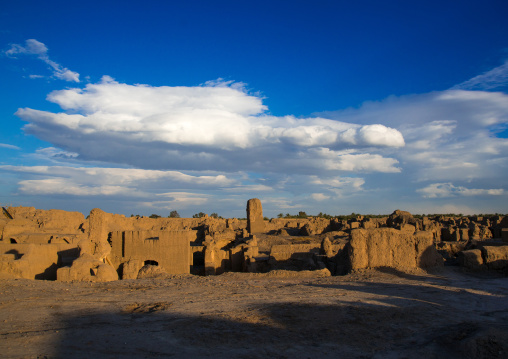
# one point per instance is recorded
(36, 242)
(284, 252)
(389, 247)
(87, 268)
(217, 255)
(295, 256)
(169, 249)
(34, 261)
(30, 225)
(485, 258)
(235, 223)
(276, 224)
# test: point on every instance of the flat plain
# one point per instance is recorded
(382, 313)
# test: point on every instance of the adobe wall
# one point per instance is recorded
(283, 252)
(34, 261)
(389, 247)
(30, 225)
(101, 224)
(312, 225)
(485, 258)
(170, 249)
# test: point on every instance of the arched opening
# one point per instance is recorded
(151, 263)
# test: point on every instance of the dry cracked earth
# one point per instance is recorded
(369, 314)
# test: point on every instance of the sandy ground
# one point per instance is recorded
(369, 314)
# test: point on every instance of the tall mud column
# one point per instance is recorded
(98, 234)
(255, 222)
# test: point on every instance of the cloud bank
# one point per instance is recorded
(218, 144)
(216, 126)
(166, 190)
(449, 190)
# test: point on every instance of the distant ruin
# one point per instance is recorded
(66, 246)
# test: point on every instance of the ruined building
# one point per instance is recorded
(60, 245)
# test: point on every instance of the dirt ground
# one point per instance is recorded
(368, 314)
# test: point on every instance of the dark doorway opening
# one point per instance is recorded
(198, 263)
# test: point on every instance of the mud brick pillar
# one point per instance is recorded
(255, 223)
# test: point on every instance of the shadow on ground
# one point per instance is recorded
(287, 330)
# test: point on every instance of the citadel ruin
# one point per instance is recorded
(66, 246)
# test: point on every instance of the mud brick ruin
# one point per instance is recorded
(66, 246)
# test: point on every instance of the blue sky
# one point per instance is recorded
(316, 106)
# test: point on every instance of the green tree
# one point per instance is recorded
(199, 215)
(174, 214)
(214, 215)
(154, 216)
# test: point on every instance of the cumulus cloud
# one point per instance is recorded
(216, 126)
(449, 135)
(454, 149)
(449, 190)
(38, 49)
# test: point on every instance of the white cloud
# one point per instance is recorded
(250, 188)
(381, 136)
(495, 78)
(434, 208)
(350, 160)
(216, 143)
(217, 126)
(37, 48)
(179, 199)
(82, 181)
(280, 203)
(350, 183)
(32, 47)
(334, 187)
(449, 135)
(12, 147)
(52, 186)
(449, 190)
(319, 197)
